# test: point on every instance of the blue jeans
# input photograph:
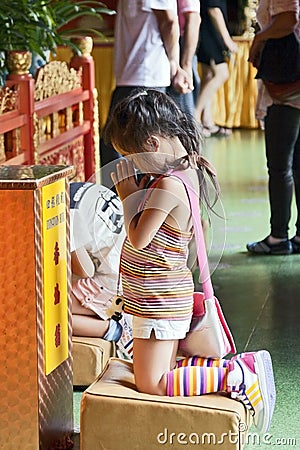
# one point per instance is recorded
(282, 138)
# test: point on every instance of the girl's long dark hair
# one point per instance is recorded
(151, 112)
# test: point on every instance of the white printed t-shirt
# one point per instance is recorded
(96, 223)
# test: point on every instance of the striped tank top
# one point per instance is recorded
(156, 281)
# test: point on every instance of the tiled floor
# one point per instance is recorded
(260, 295)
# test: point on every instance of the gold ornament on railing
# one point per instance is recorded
(84, 43)
(53, 79)
(56, 78)
(2, 149)
(250, 15)
(36, 136)
(8, 99)
(18, 62)
(10, 142)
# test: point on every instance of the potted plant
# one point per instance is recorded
(38, 26)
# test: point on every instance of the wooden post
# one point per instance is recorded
(19, 64)
(86, 61)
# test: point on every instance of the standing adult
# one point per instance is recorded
(189, 23)
(214, 45)
(146, 54)
(279, 18)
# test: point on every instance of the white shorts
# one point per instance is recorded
(163, 329)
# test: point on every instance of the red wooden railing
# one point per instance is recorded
(52, 119)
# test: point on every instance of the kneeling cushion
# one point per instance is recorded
(114, 416)
(89, 358)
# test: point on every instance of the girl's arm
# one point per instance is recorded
(162, 202)
(142, 226)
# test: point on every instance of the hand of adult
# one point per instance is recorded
(182, 81)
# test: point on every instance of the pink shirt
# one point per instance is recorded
(269, 8)
(184, 6)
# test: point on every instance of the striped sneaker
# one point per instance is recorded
(250, 380)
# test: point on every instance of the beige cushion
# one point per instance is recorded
(89, 358)
(114, 416)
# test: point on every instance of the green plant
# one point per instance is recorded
(41, 25)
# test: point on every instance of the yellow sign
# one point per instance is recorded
(55, 275)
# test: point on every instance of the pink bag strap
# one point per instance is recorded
(198, 231)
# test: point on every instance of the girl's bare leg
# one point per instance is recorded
(152, 360)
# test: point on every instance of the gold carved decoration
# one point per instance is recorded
(69, 118)
(18, 62)
(2, 149)
(70, 154)
(36, 137)
(53, 79)
(96, 134)
(56, 78)
(8, 99)
(10, 141)
(84, 43)
(55, 124)
(250, 16)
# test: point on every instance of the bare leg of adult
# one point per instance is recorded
(213, 77)
(206, 76)
(152, 360)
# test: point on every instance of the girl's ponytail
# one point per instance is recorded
(191, 138)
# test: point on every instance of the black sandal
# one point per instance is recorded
(264, 248)
(295, 245)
